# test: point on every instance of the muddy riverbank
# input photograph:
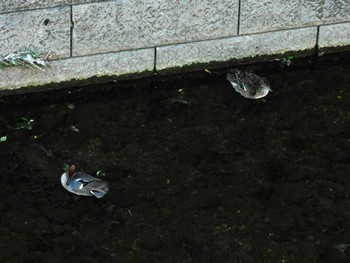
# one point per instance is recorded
(198, 173)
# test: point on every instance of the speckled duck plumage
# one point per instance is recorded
(247, 84)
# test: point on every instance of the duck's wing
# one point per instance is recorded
(82, 180)
(97, 188)
(85, 177)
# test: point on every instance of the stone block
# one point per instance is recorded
(124, 25)
(336, 35)
(17, 5)
(237, 47)
(267, 15)
(88, 1)
(80, 68)
(43, 29)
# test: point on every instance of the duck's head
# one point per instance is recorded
(263, 89)
(68, 175)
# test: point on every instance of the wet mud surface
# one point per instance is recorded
(198, 173)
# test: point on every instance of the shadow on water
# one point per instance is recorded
(198, 173)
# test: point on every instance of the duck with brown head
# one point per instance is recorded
(81, 183)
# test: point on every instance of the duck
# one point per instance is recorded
(80, 183)
(248, 84)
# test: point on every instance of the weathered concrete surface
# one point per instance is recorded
(21, 5)
(16, 5)
(335, 35)
(123, 25)
(235, 48)
(46, 29)
(89, 1)
(184, 33)
(267, 15)
(80, 68)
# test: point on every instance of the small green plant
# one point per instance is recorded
(25, 57)
(100, 173)
(288, 60)
(285, 61)
(3, 138)
(25, 124)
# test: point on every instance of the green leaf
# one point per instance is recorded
(3, 138)
(25, 124)
(100, 173)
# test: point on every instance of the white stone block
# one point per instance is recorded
(124, 25)
(267, 15)
(238, 47)
(17, 5)
(80, 68)
(43, 29)
(336, 35)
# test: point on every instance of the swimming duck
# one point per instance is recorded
(81, 183)
(249, 85)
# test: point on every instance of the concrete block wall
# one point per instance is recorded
(126, 37)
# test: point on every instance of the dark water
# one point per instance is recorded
(198, 173)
